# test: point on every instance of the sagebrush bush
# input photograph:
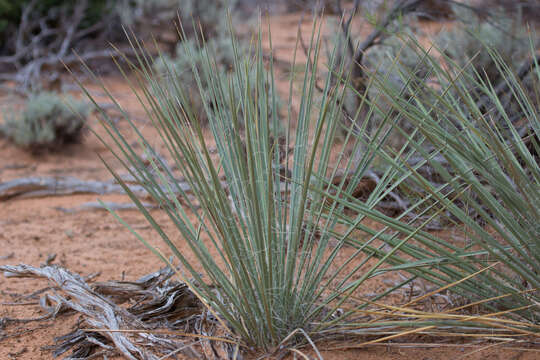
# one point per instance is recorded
(211, 16)
(401, 66)
(191, 57)
(202, 21)
(466, 45)
(47, 122)
(179, 68)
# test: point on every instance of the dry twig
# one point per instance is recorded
(45, 186)
(159, 302)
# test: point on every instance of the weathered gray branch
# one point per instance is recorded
(103, 206)
(46, 40)
(98, 303)
(47, 186)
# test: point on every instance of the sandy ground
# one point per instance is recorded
(93, 241)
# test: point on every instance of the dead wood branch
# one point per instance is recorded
(103, 206)
(43, 40)
(354, 67)
(159, 302)
(46, 186)
(43, 43)
(101, 313)
(357, 53)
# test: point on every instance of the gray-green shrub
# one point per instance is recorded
(466, 43)
(47, 121)
(191, 57)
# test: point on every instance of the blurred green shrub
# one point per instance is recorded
(48, 121)
(188, 61)
(467, 45)
(208, 20)
(212, 15)
(397, 61)
(9, 13)
(179, 68)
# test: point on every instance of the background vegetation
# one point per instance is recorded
(288, 210)
(47, 122)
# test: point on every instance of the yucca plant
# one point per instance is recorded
(268, 264)
(488, 186)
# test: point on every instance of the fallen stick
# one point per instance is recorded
(47, 186)
(103, 206)
(101, 313)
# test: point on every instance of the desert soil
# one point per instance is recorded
(93, 241)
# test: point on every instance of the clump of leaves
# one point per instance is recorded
(47, 121)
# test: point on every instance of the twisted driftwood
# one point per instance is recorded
(47, 186)
(160, 303)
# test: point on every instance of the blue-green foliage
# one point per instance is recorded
(190, 58)
(47, 122)
(179, 68)
(467, 45)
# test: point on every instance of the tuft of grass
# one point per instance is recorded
(47, 122)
